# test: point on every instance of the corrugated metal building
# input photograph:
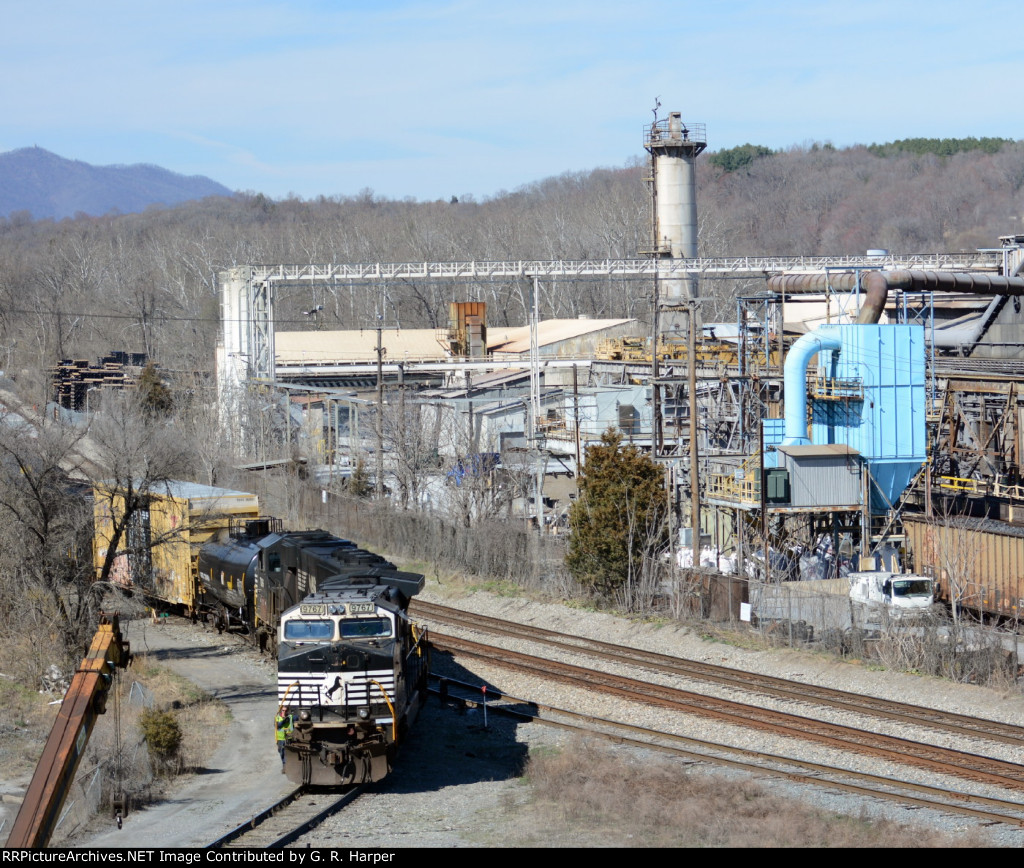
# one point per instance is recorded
(822, 477)
(358, 346)
(558, 338)
(561, 338)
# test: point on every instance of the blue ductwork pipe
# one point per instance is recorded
(795, 379)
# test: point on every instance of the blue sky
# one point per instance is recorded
(434, 99)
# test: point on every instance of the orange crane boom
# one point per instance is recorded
(84, 701)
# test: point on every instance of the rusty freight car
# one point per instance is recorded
(977, 562)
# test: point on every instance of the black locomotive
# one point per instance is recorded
(352, 673)
(352, 667)
(259, 571)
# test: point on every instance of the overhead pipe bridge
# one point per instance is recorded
(247, 292)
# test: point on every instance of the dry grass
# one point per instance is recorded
(590, 795)
(200, 717)
(25, 721)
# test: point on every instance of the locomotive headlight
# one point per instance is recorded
(363, 712)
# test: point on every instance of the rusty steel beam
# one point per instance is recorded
(984, 386)
(84, 701)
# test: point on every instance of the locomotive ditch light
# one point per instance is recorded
(363, 712)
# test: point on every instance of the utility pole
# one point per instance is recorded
(355, 447)
(694, 456)
(535, 403)
(380, 410)
(403, 430)
(576, 418)
(287, 422)
(655, 319)
(469, 414)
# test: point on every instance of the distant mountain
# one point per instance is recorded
(46, 185)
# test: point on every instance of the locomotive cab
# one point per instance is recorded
(352, 671)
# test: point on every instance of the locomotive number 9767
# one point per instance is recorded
(352, 674)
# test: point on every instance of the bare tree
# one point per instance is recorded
(645, 568)
(137, 453)
(951, 554)
(44, 556)
(410, 432)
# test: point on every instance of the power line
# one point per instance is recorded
(162, 318)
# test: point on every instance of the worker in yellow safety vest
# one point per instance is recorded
(283, 726)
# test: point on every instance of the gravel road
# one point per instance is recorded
(244, 775)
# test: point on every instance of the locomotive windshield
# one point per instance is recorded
(308, 630)
(363, 628)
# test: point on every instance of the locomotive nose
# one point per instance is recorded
(349, 659)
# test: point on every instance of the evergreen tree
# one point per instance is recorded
(734, 159)
(618, 522)
(154, 395)
(941, 147)
(359, 481)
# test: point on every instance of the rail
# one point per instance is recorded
(265, 838)
(869, 741)
(981, 488)
(962, 485)
(674, 131)
(692, 749)
(741, 485)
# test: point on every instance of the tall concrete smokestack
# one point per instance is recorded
(674, 146)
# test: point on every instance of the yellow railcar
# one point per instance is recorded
(158, 549)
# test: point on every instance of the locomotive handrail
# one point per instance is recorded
(391, 707)
(417, 637)
(284, 699)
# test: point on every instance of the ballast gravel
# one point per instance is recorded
(457, 783)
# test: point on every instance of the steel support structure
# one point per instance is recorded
(248, 292)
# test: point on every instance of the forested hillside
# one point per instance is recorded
(36, 183)
(146, 282)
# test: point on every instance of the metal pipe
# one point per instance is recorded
(876, 285)
(963, 335)
(691, 363)
(795, 381)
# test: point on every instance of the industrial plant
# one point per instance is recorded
(859, 412)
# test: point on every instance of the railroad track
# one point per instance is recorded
(288, 819)
(961, 764)
(986, 809)
(939, 760)
(780, 688)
